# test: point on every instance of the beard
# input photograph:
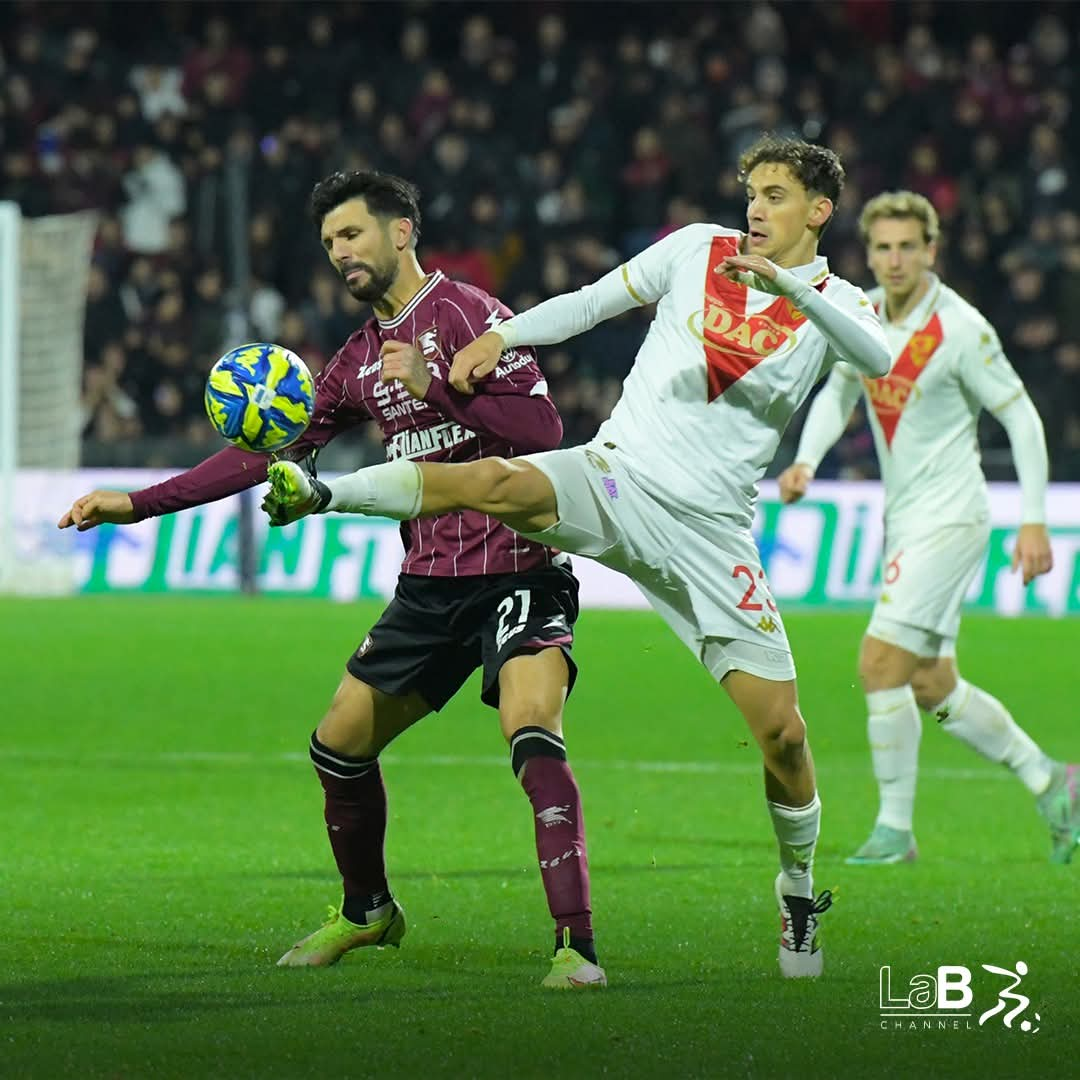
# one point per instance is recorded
(375, 285)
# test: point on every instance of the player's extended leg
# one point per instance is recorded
(983, 723)
(515, 492)
(532, 690)
(771, 711)
(344, 749)
(894, 728)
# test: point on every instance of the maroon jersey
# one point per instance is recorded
(510, 414)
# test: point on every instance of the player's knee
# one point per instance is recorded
(931, 688)
(530, 712)
(343, 732)
(783, 734)
(879, 669)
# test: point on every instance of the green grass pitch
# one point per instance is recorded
(161, 844)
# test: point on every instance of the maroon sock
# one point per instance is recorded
(356, 824)
(560, 832)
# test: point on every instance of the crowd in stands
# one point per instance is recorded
(550, 141)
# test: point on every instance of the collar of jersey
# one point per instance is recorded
(813, 272)
(432, 281)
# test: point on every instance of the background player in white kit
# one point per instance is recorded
(948, 365)
(665, 491)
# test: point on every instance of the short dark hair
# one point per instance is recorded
(386, 196)
(817, 168)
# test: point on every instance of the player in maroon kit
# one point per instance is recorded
(471, 592)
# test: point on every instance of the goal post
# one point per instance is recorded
(44, 267)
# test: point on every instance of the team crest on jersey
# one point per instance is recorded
(427, 343)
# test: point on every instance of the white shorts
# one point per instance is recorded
(703, 575)
(924, 582)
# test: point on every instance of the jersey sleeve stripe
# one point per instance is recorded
(1007, 401)
(630, 288)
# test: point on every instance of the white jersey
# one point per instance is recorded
(948, 364)
(721, 372)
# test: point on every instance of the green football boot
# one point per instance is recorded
(571, 971)
(337, 936)
(1060, 807)
(886, 845)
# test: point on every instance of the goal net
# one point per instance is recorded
(44, 265)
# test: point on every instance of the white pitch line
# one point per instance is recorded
(237, 758)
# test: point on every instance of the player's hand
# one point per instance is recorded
(1033, 552)
(293, 493)
(753, 271)
(404, 364)
(794, 481)
(99, 508)
(476, 361)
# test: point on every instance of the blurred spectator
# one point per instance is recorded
(155, 191)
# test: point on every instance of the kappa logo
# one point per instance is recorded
(596, 461)
(768, 624)
(366, 646)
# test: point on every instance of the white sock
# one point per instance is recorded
(895, 727)
(393, 490)
(797, 832)
(981, 721)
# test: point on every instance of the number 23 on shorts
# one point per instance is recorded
(748, 602)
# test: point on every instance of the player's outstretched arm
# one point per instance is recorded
(644, 279)
(548, 323)
(225, 473)
(853, 332)
(99, 508)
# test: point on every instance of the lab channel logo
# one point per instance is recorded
(954, 998)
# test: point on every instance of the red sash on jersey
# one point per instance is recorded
(891, 393)
(736, 342)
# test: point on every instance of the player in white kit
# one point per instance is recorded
(746, 323)
(947, 366)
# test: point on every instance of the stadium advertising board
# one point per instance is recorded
(823, 552)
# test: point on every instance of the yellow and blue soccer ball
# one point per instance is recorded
(260, 397)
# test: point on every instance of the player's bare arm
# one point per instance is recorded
(99, 508)
(404, 363)
(794, 482)
(1032, 554)
(476, 361)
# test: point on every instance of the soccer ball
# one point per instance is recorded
(260, 397)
